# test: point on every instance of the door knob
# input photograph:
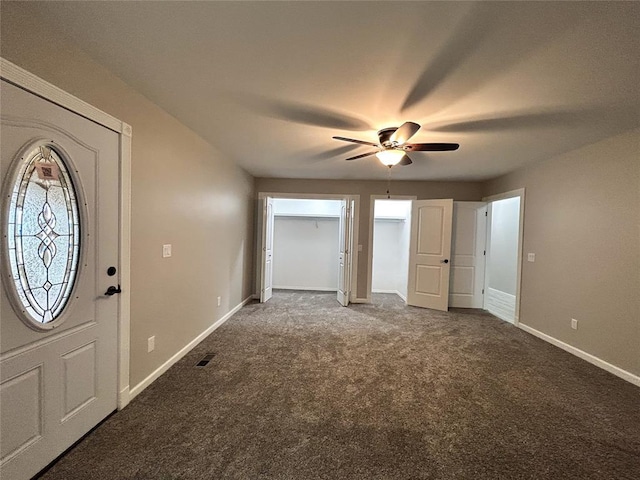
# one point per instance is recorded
(113, 290)
(446, 260)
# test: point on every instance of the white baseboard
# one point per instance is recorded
(617, 371)
(183, 351)
(395, 292)
(501, 304)
(312, 289)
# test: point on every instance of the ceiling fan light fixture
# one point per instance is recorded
(390, 157)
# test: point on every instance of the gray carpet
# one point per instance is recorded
(301, 388)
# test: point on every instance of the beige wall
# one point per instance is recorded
(183, 193)
(470, 191)
(582, 220)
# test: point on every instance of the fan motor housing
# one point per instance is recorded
(385, 134)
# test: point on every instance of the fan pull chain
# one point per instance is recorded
(389, 182)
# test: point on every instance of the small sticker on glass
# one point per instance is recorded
(47, 171)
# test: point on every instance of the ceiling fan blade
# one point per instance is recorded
(363, 155)
(431, 147)
(405, 161)
(352, 140)
(404, 132)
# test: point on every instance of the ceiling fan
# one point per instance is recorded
(392, 148)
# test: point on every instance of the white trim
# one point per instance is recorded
(124, 300)
(617, 371)
(30, 82)
(311, 289)
(501, 304)
(310, 196)
(372, 203)
(394, 292)
(135, 391)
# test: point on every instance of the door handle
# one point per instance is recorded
(446, 260)
(113, 290)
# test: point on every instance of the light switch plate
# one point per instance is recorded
(531, 257)
(166, 250)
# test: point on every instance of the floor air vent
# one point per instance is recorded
(206, 359)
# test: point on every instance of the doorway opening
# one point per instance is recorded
(306, 244)
(391, 237)
(504, 252)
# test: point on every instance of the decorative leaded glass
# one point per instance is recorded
(43, 235)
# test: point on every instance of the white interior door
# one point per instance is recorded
(466, 286)
(58, 349)
(429, 254)
(344, 256)
(266, 281)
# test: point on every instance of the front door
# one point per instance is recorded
(58, 349)
(429, 254)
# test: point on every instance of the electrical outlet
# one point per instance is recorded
(574, 323)
(166, 250)
(359, 248)
(219, 300)
(151, 343)
(531, 257)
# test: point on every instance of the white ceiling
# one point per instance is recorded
(269, 83)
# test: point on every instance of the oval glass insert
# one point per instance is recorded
(43, 234)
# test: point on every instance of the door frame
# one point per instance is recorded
(34, 84)
(502, 196)
(353, 260)
(372, 204)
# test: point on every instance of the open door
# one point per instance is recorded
(429, 254)
(468, 245)
(266, 277)
(344, 258)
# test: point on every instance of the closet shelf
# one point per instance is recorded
(306, 215)
(389, 219)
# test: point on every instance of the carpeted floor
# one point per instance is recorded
(301, 388)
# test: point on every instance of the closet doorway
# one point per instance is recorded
(391, 234)
(505, 225)
(305, 243)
